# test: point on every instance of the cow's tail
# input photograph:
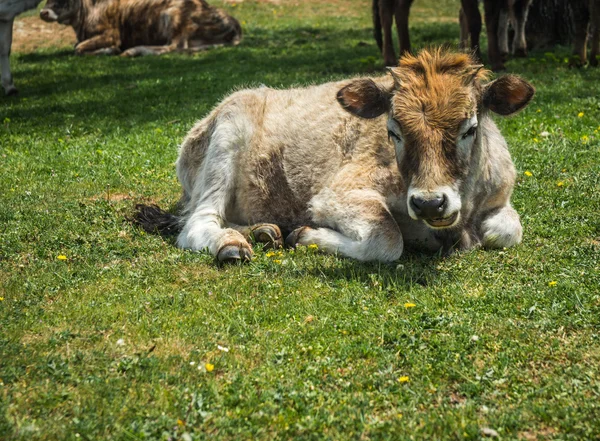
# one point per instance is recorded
(154, 219)
(377, 25)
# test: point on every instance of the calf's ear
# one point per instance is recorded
(507, 95)
(364, 98)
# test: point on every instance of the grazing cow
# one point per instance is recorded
(9, 9)
(143, 27)
(359, 167)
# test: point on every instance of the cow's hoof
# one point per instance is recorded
(234, 253)
(268, 234)
(294, 237)
(521, 53)
(11, 91)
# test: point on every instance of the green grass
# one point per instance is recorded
(112, 342)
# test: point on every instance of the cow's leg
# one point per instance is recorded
(519, 12)
(386, 14)
(355, 225)
(268, 234)
(501, 228)
(492, 15)
(581, 19)
(211, 186)
(464, 30)
(503, 23)
(5, 43)
(100, 44)
(402, 12)
(149, 50)
(595, 31)
(472, 16)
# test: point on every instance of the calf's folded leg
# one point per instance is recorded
(354, 225)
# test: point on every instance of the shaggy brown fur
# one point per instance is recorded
(143, 27)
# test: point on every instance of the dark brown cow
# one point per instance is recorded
(143, 27)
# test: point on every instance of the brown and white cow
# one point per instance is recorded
(359, 167)
(143, 27)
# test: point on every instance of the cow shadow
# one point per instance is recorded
(186, 86)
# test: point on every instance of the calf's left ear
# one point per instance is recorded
(507, 95)
(364, 98)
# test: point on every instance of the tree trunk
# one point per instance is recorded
(553, 22)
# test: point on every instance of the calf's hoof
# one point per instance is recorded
(232, 253)
(295, 236)
(268, 234)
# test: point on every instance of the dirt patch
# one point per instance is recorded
(31, 34)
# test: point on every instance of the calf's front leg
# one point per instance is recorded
(103, 44)
(501, 228)
(355, 225)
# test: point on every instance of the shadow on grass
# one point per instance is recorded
(151, 89)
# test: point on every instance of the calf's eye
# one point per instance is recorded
(394, 136)
(470, 132)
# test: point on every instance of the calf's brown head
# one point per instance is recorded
(434, 104)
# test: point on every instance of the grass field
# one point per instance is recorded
(109, 333)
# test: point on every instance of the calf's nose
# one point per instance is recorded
(428, 208)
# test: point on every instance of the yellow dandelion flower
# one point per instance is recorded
(560, 183)
(277, 261)
(552, 283)
(209, 367)
(313, 246)
(584, 138)
(580, 114)
(409, 305)
(270, 254)
(403, 379)
(61, 257)
(528, 173)
(1, 299)
(539, 110)
(180, 423)
(536, 140)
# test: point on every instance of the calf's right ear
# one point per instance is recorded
(364, 98)
(507, 95)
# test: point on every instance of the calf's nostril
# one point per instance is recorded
(428, 208)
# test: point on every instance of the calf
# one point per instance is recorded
(143, 27)
(9, 9)
(359, 167)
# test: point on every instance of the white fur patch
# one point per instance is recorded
(503, 229)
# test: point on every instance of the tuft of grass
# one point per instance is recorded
(110, 333)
